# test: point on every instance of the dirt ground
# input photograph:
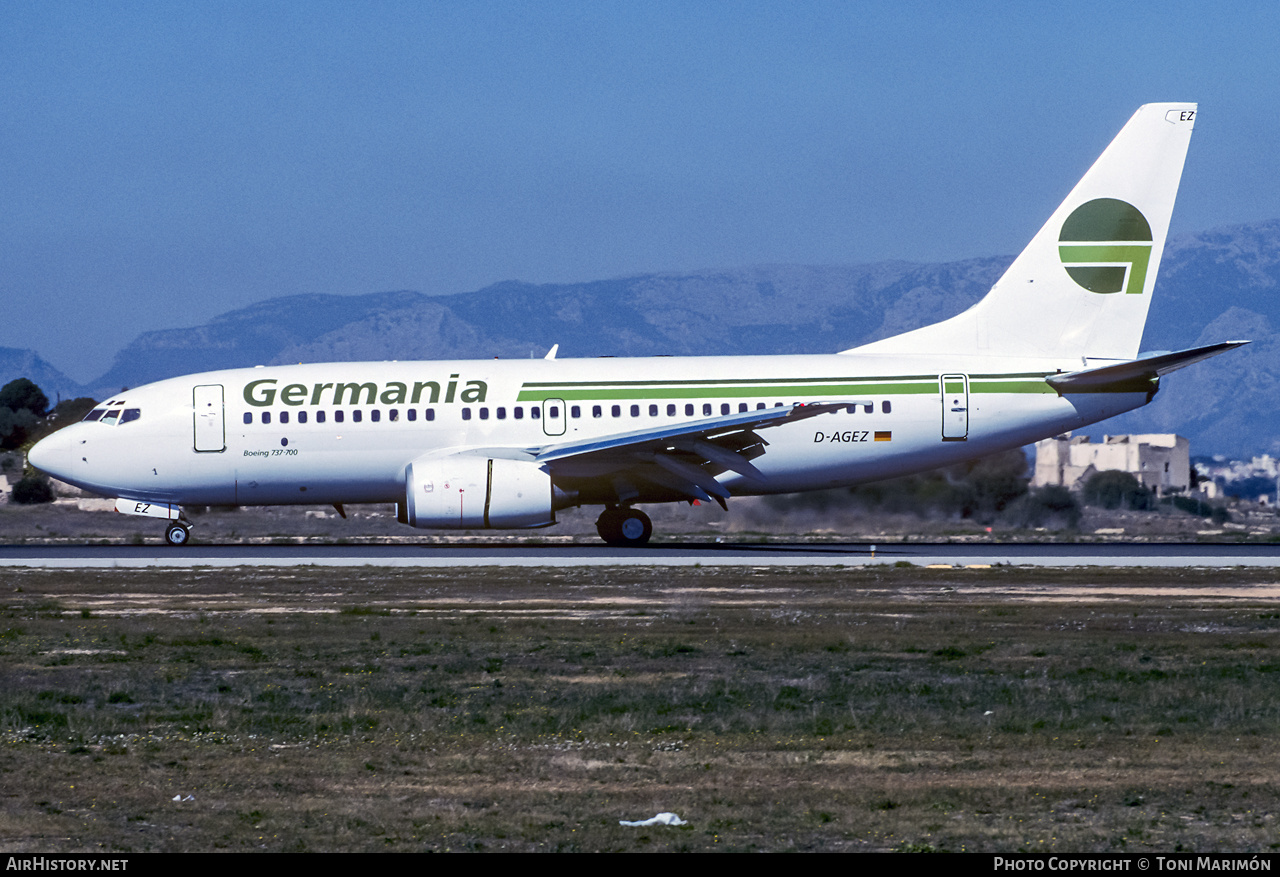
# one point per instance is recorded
(886, 708)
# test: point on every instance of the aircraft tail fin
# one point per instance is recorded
(1082, 287)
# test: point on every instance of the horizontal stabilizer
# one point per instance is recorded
(1136, 375)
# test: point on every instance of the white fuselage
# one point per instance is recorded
(346, 432)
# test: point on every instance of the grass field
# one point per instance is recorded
(883, 708)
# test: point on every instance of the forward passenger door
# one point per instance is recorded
(210, 434)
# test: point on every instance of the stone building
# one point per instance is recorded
(1162, 462)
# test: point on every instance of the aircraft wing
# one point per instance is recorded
(683, 458)
(1137, 375)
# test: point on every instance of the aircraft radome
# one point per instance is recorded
(505, 444)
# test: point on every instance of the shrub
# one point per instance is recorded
(1044, 506)
(1113, 489)
(31, 490)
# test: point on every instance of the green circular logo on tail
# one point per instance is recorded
(1105, 245)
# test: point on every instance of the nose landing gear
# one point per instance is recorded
(178, 529)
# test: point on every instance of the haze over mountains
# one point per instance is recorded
(1214, 286)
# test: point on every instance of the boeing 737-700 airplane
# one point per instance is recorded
(505, 444)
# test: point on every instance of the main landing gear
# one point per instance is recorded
(177, 533)
(630, 528)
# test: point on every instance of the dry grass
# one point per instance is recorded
(871, 709)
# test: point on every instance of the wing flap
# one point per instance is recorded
(711, 428)
(682, 457)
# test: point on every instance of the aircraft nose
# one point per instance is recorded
(52, 455)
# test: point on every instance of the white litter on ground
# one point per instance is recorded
(660, 819)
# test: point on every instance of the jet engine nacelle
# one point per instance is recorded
(466, 492)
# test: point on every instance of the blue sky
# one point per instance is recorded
(161, 163)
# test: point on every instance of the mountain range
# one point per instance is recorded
(1213, 286)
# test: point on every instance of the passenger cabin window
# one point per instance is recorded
(284, 416)
(466, 413)
(430, 414)
(302, 417)
(885, 407)
(596, 411)
(357, 416)
(319, 417)
(266, 417)
(338, 415)
(248, 417)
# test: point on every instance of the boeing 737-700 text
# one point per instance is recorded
(505, 444)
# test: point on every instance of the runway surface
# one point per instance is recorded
(509, 554)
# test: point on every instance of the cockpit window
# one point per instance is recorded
(94, 414)
(111, 417)
(130, 414)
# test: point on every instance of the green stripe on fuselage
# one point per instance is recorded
(785, 387)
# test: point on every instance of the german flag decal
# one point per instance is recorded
(884, 435)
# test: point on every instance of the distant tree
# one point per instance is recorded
(22, 404)
(1046, 506)
(981, 489)
(15, 426)
(1113, 489)
(997, 481)
(21, 394)
(1192, 505)
(71, 410)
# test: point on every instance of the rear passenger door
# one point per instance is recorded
(955, 407)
